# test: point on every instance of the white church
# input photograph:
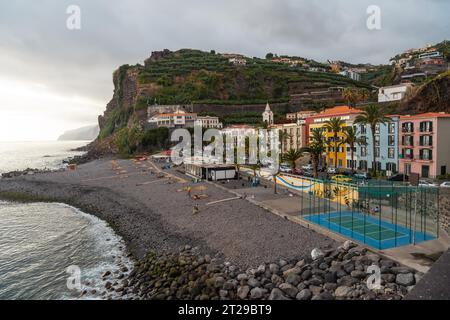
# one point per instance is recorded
(268, 115)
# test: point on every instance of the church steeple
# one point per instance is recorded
(268, 115)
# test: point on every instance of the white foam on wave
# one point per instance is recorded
(108, 244)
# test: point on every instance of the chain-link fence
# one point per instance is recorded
(380, 214)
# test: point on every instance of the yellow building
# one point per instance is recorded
(345, 113)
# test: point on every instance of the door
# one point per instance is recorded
(407, 169)
(425, 171)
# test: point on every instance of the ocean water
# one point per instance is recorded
(40, 245)
(40, 241)
(36, 155)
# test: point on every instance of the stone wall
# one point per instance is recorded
(444, 206)
(221, 110)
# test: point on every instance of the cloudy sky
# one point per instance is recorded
(53, 79)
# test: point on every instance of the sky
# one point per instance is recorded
(54, 79)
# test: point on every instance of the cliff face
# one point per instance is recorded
(204, 78)
(87, 133)
(434, 96)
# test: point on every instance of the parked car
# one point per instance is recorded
(341, 178)
(285, 169)
(308, 174)
(445, 184)
(362, 176)
(331, 170)
(398, 177)
(308, 167)
(425, 183)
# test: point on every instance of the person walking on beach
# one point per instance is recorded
(195, 210)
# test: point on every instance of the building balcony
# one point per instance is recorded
(406, 157)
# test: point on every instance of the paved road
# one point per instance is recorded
(435, 285)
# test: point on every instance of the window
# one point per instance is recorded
(378, 165)
(391, 167)
(391, 140)
(377, 152)
(408, 127)
(363, 165)
(363, 129)
(443, 170)
(363, 152)
(426, 154)
(408, 154)
(426, 141)
(391, 128)
(426, 126)
(364, 140)
(377, 129)
(391, 153)
(408, 141)
(377, 140)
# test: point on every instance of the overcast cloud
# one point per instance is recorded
(66, 75)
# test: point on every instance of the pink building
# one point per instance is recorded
(425, 144)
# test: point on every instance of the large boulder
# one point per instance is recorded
(317, 254)
(405, 279)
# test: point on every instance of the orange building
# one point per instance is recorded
(345, 113)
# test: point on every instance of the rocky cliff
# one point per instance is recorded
(433, 96)
(204, 78)
(87, 133)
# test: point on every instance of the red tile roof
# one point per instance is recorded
(337, 111)
(427, 115)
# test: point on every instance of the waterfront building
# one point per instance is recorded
(209, 122)
(345, 113)
(295, 137)
(178, 119)
(393, 93)
(301, 115)
(424, 148)
(386, 147)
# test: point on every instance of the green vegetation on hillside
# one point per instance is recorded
(129, 141)
(187, 76)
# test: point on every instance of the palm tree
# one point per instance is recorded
(254, 168)
(335, 125)
(283, 138)
(292, 156)
(354, 95)
(373, 116)
(316, 148)
(351, 138)
(237, 165)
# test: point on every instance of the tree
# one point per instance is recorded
(335, 125)
(269, 56)
(373, 116)
(354, 95)
(254, 168)
(351, 138)
(284, 136)
(316, 148)
(292, 156)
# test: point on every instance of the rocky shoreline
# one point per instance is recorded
(236, 261)
(339, 274)
(28, 171)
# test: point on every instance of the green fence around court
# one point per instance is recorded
(383, 215)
